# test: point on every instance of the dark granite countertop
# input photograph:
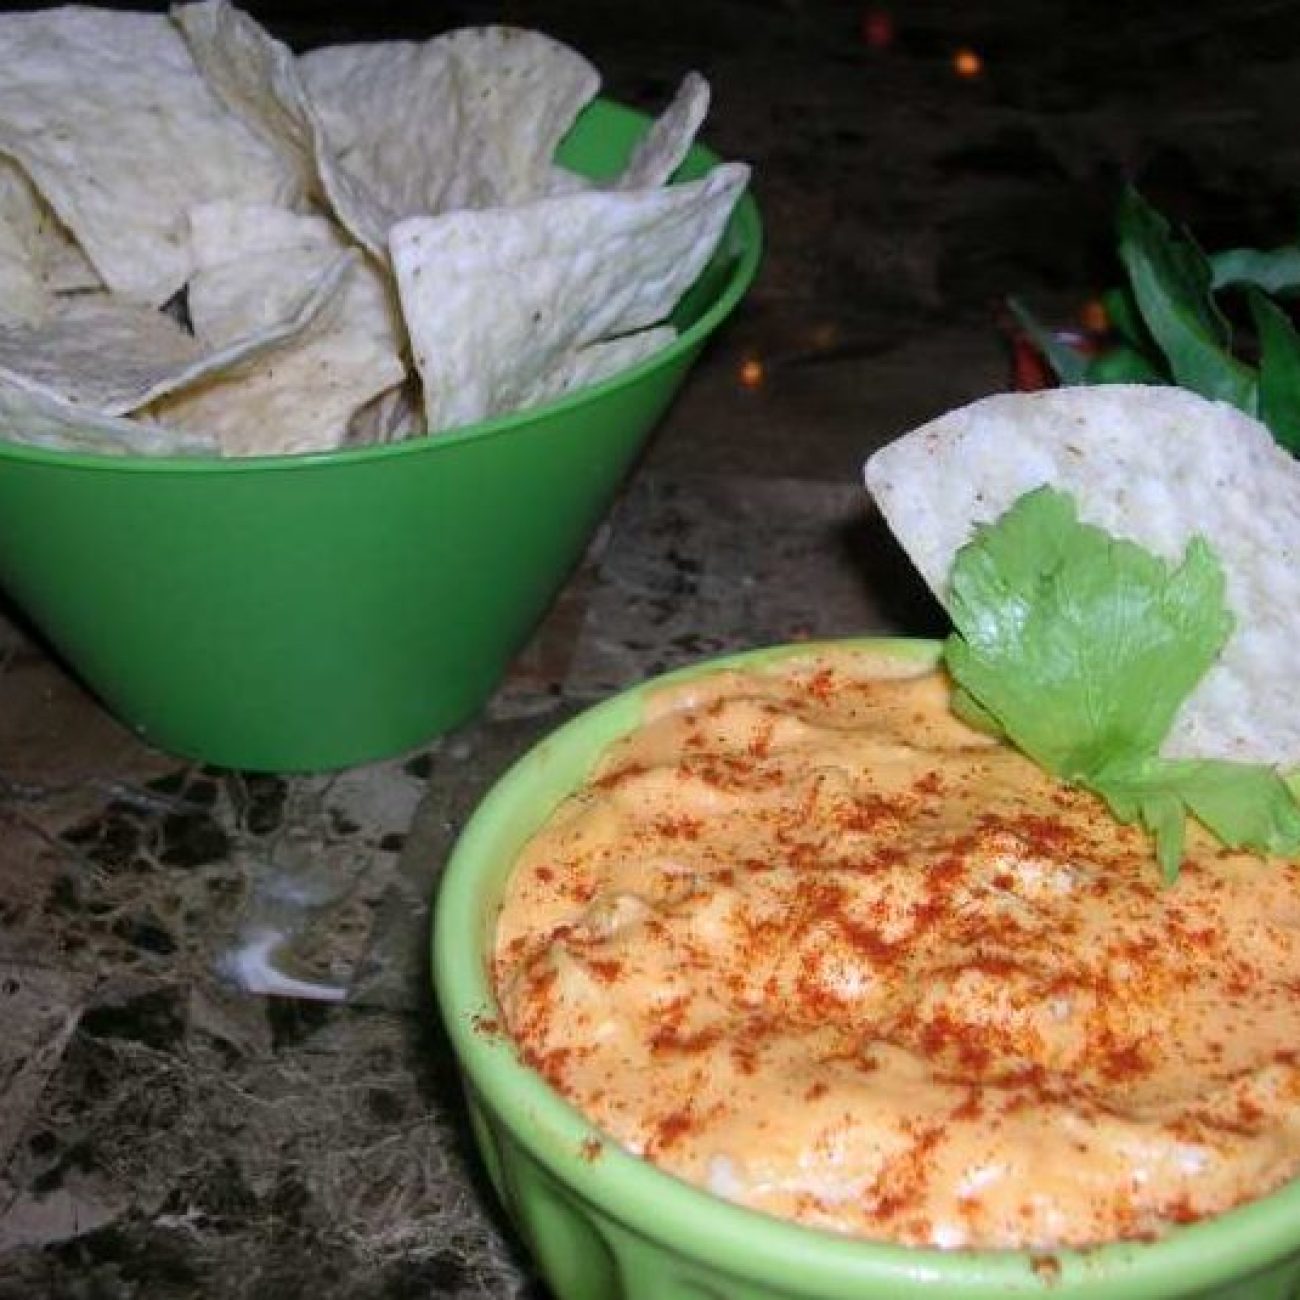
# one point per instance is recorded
(220, 1071)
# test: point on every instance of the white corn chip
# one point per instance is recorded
(300, 395)
(596, 362)
(495, 300)
(1157, 466)
(663, 147)
(114, 357)
(108, 116)
(38, 420)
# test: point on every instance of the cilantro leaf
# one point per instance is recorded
(1080, 648)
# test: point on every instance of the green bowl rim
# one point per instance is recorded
(747, 229)
(1229, 1247)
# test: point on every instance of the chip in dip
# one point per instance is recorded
(807, 939)
(1157, 466)
(201, 247)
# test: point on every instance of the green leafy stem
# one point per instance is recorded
(1169, 325)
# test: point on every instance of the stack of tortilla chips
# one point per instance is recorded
(212, 246)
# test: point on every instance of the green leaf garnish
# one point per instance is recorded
(1279, 370)
(1122, 312)
(1172, 284)
(1275, 270)
(1080, 648)
(1122, 364)
(1245, 805)
(1071, 367)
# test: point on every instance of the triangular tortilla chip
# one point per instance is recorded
(661, 150)
(389, 130)
(301, 394)
(519, 93)
(114, 357)
(495, 300)
(1156, 466)
(390, 114)
(468, 119)
(108, 116)
(38, 257)
(225, 232)
(256, 77)
(37, 420)
(259, 78)
(658, 153)
(98, 351)
(595, 362)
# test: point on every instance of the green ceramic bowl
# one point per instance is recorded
(312, 612)
(604, 1225)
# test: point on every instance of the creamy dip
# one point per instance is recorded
(807, 941)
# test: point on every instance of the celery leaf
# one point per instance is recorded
(1080, 648)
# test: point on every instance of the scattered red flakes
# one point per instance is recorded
(1047, 1268)
(671, 1129)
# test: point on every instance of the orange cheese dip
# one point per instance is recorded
(807, 941)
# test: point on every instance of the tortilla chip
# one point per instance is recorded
(495, 300)
(225, 232)
(1154, 465)
(251, 262)
(661, 150)
(258, 77)
(597, 362)
(108, 116)
(99, 352)
(469, 119)
(396, 129)
(560, 180)
(114, 357)
(658, 153)
(38, 257)
(393, 415)
(37, 420)
(300, 394)
(24, 299)
(520, 92)
(56, 258)
(390, 116)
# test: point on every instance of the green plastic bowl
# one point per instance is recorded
(311, 612)
(604, 1225)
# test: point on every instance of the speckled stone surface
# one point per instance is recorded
(220, 1073)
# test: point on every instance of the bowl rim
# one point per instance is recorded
(691, 1221)
(746, 229)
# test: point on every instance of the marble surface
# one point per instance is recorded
(220, 1071)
